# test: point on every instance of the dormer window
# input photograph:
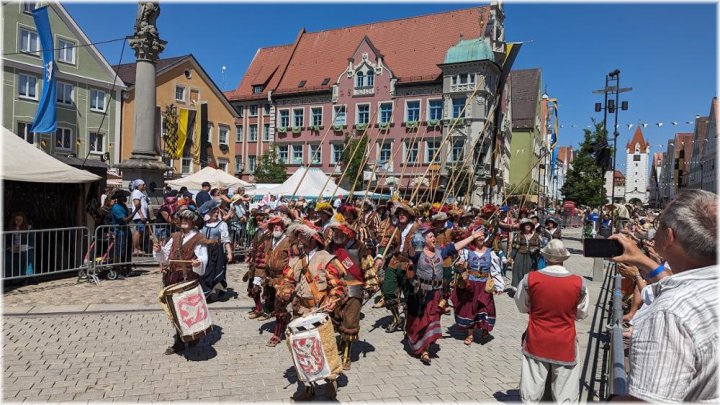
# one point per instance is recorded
(257, 89)
(365, 76)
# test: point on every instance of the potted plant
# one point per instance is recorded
(315, 128)
(338, 127)
(296, 130)
(433, 123)
(384, 125)
(411, 124)
(457, 121)
(281, 130)
(361, 126)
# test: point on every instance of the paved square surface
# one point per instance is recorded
(80, 342)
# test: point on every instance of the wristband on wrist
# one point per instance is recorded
(655, 272)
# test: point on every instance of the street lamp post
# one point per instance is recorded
(613, 106)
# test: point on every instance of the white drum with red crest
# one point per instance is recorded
(311, 340)
(189, 308)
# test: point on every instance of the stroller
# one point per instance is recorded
(103, 264)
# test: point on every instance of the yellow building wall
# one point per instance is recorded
(218, 113)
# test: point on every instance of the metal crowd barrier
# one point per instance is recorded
(618, 376)
(38, 252)
(111, 248)
(241, 238)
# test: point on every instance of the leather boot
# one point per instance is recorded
(177, 346)
(306, 393)
(397, 323)
(331, 390)
(347, 345)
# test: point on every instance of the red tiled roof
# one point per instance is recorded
(619, 175)
(658, 158)
(565, 154)
(638, 138)
(411, 48)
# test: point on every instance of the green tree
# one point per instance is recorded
(584, 182)
(353, 162)
(270, 169)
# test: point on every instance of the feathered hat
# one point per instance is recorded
(404, 207)
(339, 223)
(276, 219)
(325, 207)
(308, 229)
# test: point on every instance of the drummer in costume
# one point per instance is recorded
(360, 279)
(278, 256)
(425, 289)
(257, 258)
(186, 245)
(396, 245)
(313, 280)
(479, 280)
(220, 251)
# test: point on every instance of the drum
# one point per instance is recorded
(189, 309)
(311, 340)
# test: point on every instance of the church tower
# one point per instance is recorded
(636, 181)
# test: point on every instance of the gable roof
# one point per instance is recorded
(638, 138)
(315, 56)
(525, 89)
(80, 34)
(126, 71)
(565, 154)
(165, 65)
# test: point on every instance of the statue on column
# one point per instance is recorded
(147, 42)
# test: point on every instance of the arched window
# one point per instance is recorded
(370, 78)
(359, 79)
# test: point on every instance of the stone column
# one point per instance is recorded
(144, 162)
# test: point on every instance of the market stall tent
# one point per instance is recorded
(310, 186)
(25, 162)
(216, 177)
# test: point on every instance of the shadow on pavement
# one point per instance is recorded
(204, 350)
(509, 396)
(360, 347)
(291, 375)
(382, 323)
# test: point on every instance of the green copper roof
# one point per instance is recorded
(469, 50)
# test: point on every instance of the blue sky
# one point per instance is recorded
(666, 52)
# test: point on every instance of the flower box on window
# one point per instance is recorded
(338, 127)
(384, 125)
(224, 147)
(296, 130)
(281, 130)
(361, 126)
(411, 124)
(433, 123)
(315, 128)
(457, 122)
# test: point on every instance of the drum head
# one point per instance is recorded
(308, 322)
(184, 286)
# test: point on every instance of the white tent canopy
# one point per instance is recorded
(24, 162)
(311, 185)
(216, 177)
(261, 188)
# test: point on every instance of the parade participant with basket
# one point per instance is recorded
(277, 249)
(425, 281)
(479, 279)
(183, 259)
(360, 279)
(313, 282)
(396, 250)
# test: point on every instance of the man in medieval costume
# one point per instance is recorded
(277, 248)
(184, 258)
(360, 279)
(255, 276)
(396, 250)
(312, 281)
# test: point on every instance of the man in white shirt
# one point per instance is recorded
(674, 353)
(140, 202)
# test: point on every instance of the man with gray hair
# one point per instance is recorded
(554, 298)
(674, 351)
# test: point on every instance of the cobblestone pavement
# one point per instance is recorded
(116, 353)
